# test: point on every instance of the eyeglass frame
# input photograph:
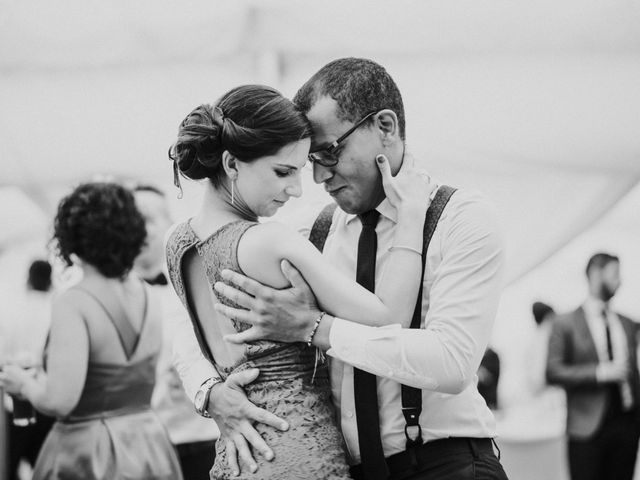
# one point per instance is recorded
(336, 143)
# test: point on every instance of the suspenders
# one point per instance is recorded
(411, 397)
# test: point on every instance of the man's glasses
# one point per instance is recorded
(327, 157)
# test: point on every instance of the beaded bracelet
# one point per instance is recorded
(404, 247)
(315, 328)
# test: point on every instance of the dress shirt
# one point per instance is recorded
(461, 290)
(593, 308)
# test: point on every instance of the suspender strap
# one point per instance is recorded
(412, 397)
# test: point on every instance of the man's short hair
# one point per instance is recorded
(599, 261)
(358, 85)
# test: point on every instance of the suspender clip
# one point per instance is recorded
(412, 429)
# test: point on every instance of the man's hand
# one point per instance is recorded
(284, 315)
(235, 414)
(612, 372)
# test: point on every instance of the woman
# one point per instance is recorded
(102, 350)
(251, 148)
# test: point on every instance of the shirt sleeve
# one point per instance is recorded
(463, 299)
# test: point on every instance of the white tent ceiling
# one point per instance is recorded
(535, 103)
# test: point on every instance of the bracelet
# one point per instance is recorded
(315, 328)
(405, 247)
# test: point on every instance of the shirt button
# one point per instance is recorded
(349, 413)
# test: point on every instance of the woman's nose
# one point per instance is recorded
(294, 189)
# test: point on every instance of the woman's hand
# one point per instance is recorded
(13, 378)
(410, 190)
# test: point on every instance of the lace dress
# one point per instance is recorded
(312, 448)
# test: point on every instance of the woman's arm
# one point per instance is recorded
(262, 249)
(56, 391)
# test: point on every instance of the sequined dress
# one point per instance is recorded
(312, 448)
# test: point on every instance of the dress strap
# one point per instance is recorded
(128, 336)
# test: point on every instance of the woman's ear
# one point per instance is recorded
(387, 124)
(230, 165)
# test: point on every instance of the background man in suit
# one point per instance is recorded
(592, 354)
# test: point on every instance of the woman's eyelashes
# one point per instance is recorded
(285, 173)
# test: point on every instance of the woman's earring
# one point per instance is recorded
(233, 182)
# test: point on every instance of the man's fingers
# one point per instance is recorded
(294, 276)
(235, 295)
(244, 453)
(243, 378)
(247, 284)
(250, 335)
(257, 442)
(232, 456)
(261, 415)
(234, 313)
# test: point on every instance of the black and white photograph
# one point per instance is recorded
(346, 240)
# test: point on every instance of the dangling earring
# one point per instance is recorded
(233, 182)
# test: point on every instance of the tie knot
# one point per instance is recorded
(370, 218)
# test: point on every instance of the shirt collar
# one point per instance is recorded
(385, 209)
(594, 306)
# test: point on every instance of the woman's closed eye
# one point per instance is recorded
(285, 173)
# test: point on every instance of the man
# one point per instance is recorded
(592, 355)
(193, 436)
(356, 114)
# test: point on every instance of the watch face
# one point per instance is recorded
(199, 400)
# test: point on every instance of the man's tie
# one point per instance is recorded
(365, 388)
(607, 331)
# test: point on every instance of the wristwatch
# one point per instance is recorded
(201, 400)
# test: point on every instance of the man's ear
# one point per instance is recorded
(387, 123)
(230, 165)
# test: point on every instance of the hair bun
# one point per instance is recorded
(197, 151)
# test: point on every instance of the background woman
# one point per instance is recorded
(102, 350)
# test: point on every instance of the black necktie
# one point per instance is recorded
(364, 383)
(607, 332)
(160, 279)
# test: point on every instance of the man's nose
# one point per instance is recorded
(321, 174)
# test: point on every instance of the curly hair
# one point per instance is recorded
(99, 222)
(249, 121)
(358, 85)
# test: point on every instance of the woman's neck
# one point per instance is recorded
(215, 211)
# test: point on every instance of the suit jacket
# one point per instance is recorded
(571, 363)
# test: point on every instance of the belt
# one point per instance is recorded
(413, 458)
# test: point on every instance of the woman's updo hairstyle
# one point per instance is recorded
(99, 222)
(250, 121)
